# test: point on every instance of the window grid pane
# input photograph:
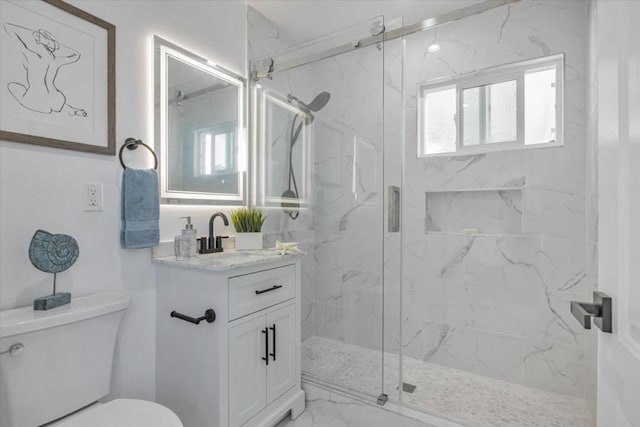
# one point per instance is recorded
(439, 118)
(502, 123)
(540, 106)
(472, 123)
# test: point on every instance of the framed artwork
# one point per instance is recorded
(57, 76)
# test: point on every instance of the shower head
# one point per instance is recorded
(318, 103)
(290, 203)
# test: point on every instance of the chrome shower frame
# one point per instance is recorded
(429, 23)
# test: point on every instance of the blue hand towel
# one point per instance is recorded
(140, 209)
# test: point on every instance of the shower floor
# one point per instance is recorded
(443, 391)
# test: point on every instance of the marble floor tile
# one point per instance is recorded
(441, 391)
(337, 411)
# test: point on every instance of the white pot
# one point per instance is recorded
(249, 241)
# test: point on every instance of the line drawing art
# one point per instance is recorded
(43, 56)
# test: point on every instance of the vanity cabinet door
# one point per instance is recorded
(247, 370)
(281, 372)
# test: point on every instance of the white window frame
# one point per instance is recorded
(510, 72)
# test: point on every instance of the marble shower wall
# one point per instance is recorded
(497, 304)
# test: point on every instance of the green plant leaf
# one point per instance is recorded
(247, 220)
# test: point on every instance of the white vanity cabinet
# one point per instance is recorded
(244, 368)
(262, 362)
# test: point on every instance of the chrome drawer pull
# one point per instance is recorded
(273, 288)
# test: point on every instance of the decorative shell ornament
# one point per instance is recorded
(283, 248)
(52, 253)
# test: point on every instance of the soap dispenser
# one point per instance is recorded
(190, 233)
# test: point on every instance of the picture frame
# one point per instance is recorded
(57, 76)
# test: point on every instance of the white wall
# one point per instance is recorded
(42, 187)
(617, 108)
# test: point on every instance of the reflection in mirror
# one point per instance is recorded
(200, 127)
(283, 153)
(284, 171)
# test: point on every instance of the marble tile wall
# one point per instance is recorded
(492, 211)
(498, 305)
(495, 305)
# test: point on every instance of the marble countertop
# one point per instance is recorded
(227, 260)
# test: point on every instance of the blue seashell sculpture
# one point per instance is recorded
(52, 253)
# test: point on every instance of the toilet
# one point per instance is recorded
(55, 366)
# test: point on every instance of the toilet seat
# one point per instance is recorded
(123, 413)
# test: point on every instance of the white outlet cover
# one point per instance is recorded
(92, 197)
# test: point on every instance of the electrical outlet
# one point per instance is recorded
(92, 197)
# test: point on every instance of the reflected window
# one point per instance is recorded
(513, 106)
(214, 151)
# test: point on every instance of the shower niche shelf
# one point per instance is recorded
(488, 212)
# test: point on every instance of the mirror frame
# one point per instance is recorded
(162, 51)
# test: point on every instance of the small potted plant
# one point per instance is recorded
(248, 225)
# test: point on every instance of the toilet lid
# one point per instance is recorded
(124, 413)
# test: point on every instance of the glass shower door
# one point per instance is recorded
(319, 176)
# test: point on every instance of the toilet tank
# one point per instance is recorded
(66, 360)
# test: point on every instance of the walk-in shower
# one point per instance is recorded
(462, 308)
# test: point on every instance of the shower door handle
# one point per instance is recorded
(393, 209)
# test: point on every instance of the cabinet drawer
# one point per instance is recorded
(256, 291)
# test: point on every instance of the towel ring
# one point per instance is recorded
(132, 144)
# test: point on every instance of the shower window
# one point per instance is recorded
(489, 113)
(509, 107)
(439, 119)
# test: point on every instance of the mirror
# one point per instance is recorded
(199, 129)
(283, 151)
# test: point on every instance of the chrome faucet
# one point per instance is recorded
(214, 243)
